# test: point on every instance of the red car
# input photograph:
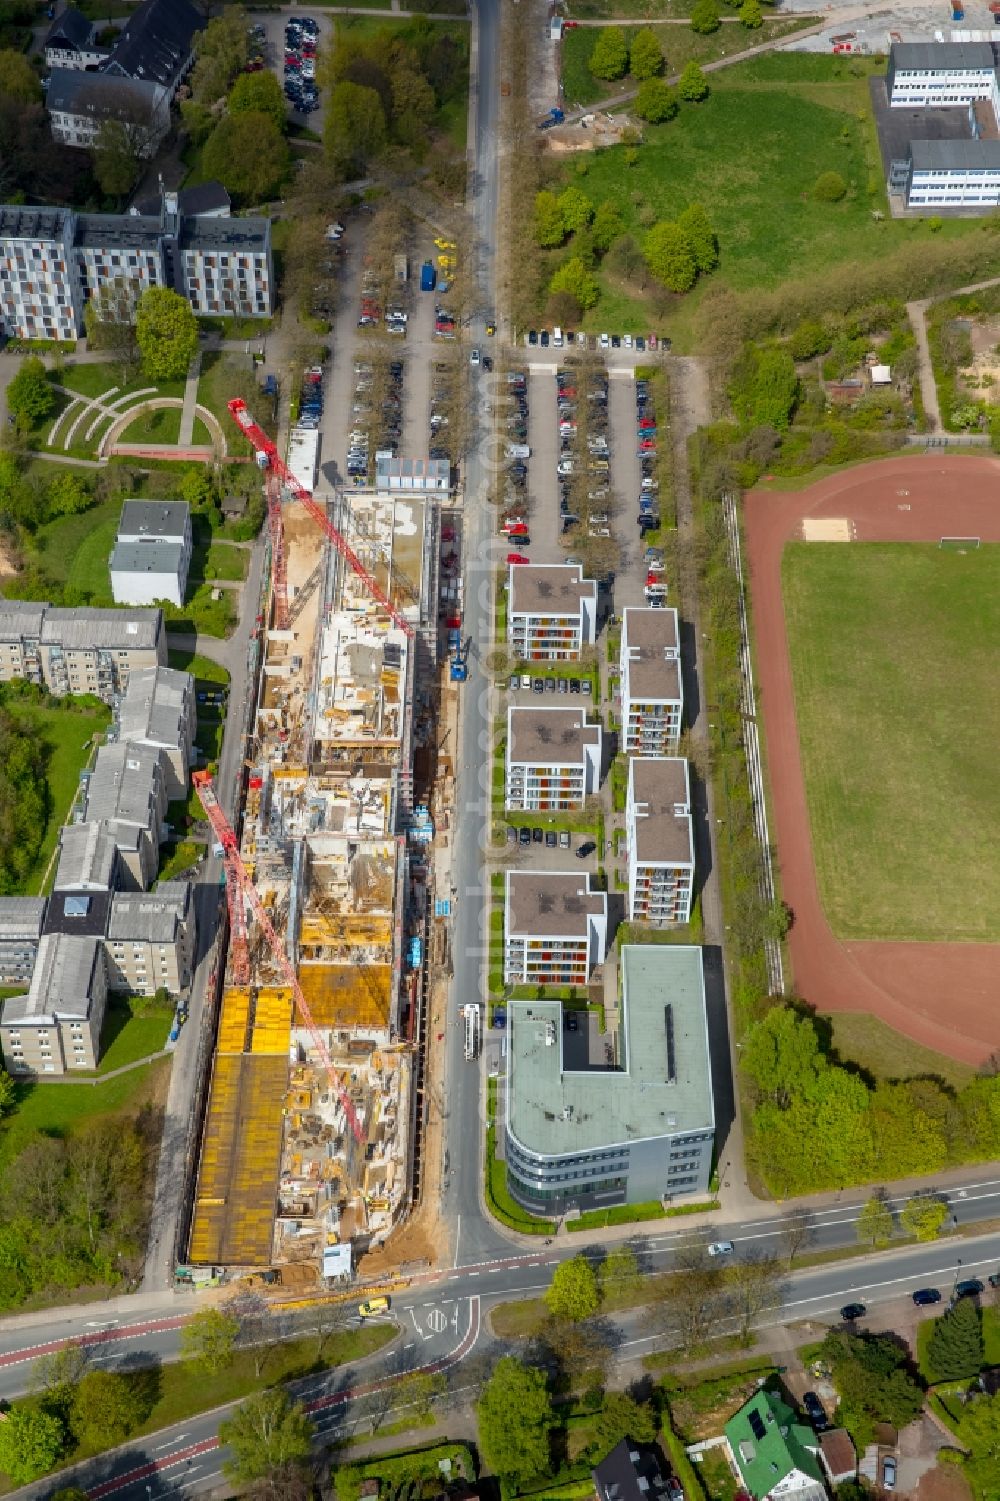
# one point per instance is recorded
(651, 341)
(515, 529)
(517, 557)
(647, 422)
(648, 445)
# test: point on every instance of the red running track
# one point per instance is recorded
(944, 995)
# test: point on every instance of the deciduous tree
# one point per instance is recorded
(30, 396)
(8, 1093)
(705, 17)
(249, 156)
(107, 1407)
(18, 79)
(515, 1416)
(702, 243)
(645, 54)
(692, 84)
(576, 208)
(609, 58)
(31, 1440)
(167, 332)
(619, 1271)
(923, 1215)
(668, 256)
(606, 226)
(656, 101)
(621, 1416)
(573, 1293)
(259, 94)
(829, 187)
(355, 129)
(266, 1432)
(751, 15)
(752, 1289)
(875, 1222)
(209, 1338)
(870, 1372)
(221, 50)
(979, 1429)
(573, 277)
(549, 228)
(116, 158)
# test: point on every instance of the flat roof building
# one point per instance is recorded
(412, 476)
(551, 611)
(583, 1132)
(652, 693)
(553, 759)
(150, 939)
(660, 840)
(152, 553)
(555, 928)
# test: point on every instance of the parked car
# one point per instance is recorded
(970, 1287)
(572, 1021)
(888, 1473)
(925, 1296)
(851, 1311)
(550, 839)
(586, 848)
(815, 1411)
(536, 836)
(524, 836)
(564, 840)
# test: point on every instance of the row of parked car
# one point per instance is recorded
(311, 397)
(560, 338)
(547, 684)
(549, 837)
(655, 587)
(518, 453)
(301, 38)
(572, 454)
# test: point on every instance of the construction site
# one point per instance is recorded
(310, 1145)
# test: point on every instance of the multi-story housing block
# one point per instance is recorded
(551, 612)
(159, 710)
(150, 939)
(660, 840)
(553, 759)
(20, 640)
(88, 859)
(127, 790)
(652, 694)
(41, 295)
(21, 919)
(152, 553)
(223, 266)
(94, 651)
(57, 1025)
(555, 928)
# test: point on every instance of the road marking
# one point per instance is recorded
(437, 1321)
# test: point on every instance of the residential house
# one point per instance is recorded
(553, 759)
(652, 693)
(551, 612)
(775, 1454)
(659, 840)
(634, 1472)
(71, 43)
(152, 553)
(555, 927)
(80, 104)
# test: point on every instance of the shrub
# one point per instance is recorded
(829, 187)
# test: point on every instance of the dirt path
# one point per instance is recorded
(917, 314)
(940, 994)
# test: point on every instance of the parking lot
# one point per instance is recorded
(273, 27)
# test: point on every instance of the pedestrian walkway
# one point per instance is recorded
(188, 412)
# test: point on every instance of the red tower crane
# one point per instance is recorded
(268, 458)
(238, 878)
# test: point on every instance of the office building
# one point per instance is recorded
(940, 75)
(551, 612)
(595, 1119)
(553, 759)
(152, 553)
(555, 928)
(652, 694)
(659, 840)
(945, 153)
(80, 104)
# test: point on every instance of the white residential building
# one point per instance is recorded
(71, 42)
(551, 612)
(152, 552)
(57, 1025)
(555, 928)
(41, 292)
(652, 693)
(553, 759)
(80, 103)
(660, 840)
(940, 75)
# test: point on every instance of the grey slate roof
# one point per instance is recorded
(150, 916)
(153, 709)
(70, 30)
(17, 222)
(21, 619)
(87, 857)
(124, 785)
(100, 630)
(103, 96)
(164, 520)
(206, 198)
(162, 558)
(156, 40)
(21, 916)
(63, 981)
(631, 1472)
(938, 57)
(955, 156)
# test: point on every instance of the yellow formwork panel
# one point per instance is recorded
(347, 995)
(238, 1174)
(347, 928)
(233, 1020)
(272, 1024)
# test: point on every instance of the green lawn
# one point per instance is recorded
(204, 669)
(74, 551)
(56, 1108)
(200, 435)
(894, 651)
(222, 561)
(759, 198)
(214, 392)
(68, 734)
(177, 856)
(126, 1037)
(886, 1054)
(162, 425)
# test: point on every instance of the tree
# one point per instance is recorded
(764, 392)
(656, 101)
(8, 1093)
(956, 1343)
(58, 1374)
(621, 1416)
(702, 243)
(752, 1289)
(692, 84)
(668, 256)
(694, 1299)
(875, 1222)
(266, 1431)
(645, 54)
(751, 15)
(31, 1440)
(609, 58)
(355, 128)
(221, 51)
(30, 396)
(922, 1216)
(208, 1339)
(197, 487)
(109, 318)
(259, 94)
(68, 495)
(781, 1052)
(420, 1390)
(549, 229)
(625, 257)
(167, 333)
(573, 1293)
(576, 209)
(260, 1327)
(870, 1373)
(619, 1271)
(829, 187)
(116, 158)
(705, 17)
(107, 1407)
(979, 1429)
(573, 277)
(515, 1416)
(606, 226)
(249, 156)
(18, 79)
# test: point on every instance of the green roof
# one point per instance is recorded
(786, 1445)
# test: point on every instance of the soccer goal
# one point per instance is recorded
(960, 544)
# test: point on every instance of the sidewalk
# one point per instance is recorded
(186, 433)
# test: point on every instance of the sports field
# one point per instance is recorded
(894, 649)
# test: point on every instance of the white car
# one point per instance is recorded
(605, 341)
(627, 340)
(565, 466)
(721, 1248)
(474, 357)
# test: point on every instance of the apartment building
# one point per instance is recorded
(94, 651)
(21, 919)
(152, 553)
(553, 759)
(652, 692)
(150, 939)
(71, 43)
(159, 710)
(551, 612)
(940, 75)
(555, 928)
(127, 791)
(596, 1119)
(660, 840)
(57, 1025)
(80, 104)
(20, 640)
(88, 859)
(52, 261)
